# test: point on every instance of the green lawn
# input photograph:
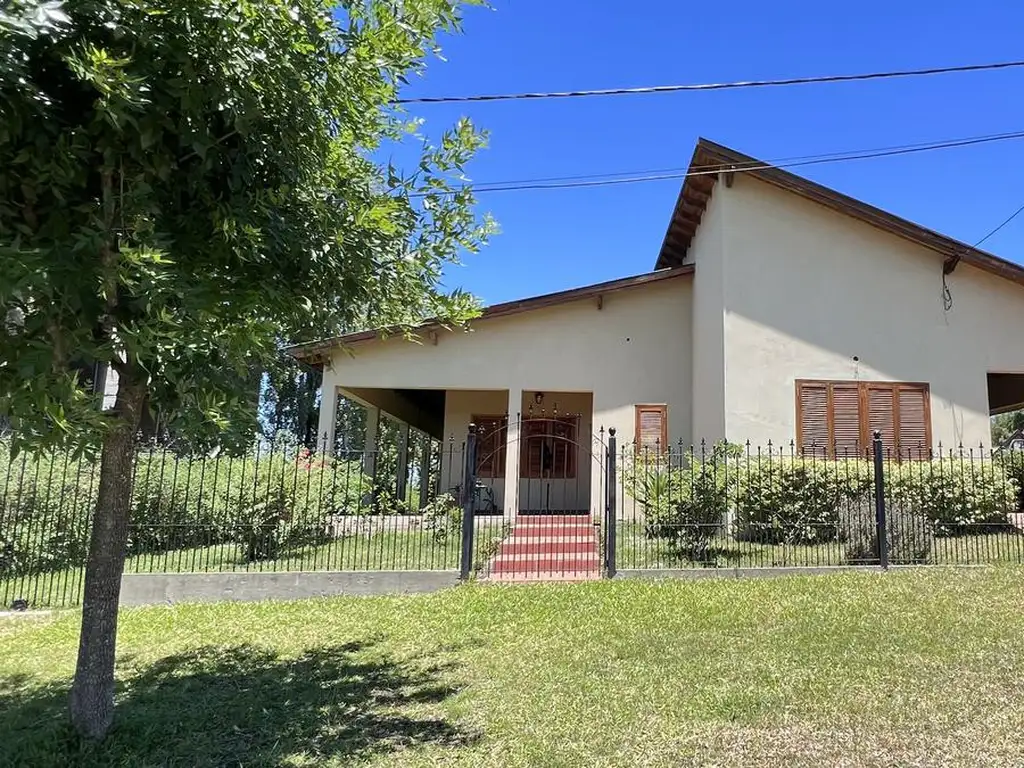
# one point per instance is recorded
(856, 669)
(634, 550)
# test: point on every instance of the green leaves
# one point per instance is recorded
(186, 185)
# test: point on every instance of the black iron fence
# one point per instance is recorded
(282, 508)
(274, 508)
(736, 506)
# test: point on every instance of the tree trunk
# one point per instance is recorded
(92, 693)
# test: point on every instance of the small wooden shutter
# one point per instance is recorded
(491, 434)
(652, 427)
(914, 418)
(812, 418)
(882, 415)
(847, 439)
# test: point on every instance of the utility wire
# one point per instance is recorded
(680, 171)
(947, 295)
(716, 86)
(835, 157)
(1012, 216)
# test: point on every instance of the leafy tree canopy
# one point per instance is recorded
(185, 184)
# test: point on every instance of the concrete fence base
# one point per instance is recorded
(156, 588)
(756, 573)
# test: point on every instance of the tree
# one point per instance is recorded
(1004, 425)
(184, 184)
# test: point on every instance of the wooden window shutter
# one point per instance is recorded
(847, 440)
(882, 414)
(914, 413)
(812, 418)
(652, 427)
(490, 445)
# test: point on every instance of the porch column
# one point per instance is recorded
(425, 445)
(370, 442)
(511, 491)
(328, 415)
(402, 481)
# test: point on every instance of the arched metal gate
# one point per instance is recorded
(549, 521)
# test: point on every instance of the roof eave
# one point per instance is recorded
(316, 350)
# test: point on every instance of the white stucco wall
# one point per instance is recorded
(807, 289)
(635, 349)
(708, 375)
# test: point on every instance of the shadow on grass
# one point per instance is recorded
(243, 706)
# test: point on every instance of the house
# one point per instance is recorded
(1014, 442)
(778, 310)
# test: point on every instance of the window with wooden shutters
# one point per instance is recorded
(838, 418)
(491, 434)
(652, 427)
(549, 448)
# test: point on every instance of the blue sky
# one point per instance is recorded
(558, 239)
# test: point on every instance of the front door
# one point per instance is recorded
(554, 468)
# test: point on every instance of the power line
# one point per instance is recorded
(716, 86)
(949, 266)
(679, 171)
(1012, 216)
(834, 157)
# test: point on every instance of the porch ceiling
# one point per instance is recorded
(422, 409)
(1005, 392)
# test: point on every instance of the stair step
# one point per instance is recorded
(533, 548)
(555, 565)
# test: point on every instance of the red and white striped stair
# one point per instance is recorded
(548, 548)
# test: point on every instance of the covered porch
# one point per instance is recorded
(536, 450)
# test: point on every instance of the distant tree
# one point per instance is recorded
(183, 185)
(1005, 425)
(291, 402)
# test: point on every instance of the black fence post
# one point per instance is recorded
(468, 499)
(609, 512)
(881, 530)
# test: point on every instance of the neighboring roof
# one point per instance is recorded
(713, 158)
(1012, 438)
(315, 348)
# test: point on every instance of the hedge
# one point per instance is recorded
(264, 502)
(808, 501)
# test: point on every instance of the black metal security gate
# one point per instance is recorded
(549, 525)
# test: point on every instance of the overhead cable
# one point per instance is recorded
(885, 75)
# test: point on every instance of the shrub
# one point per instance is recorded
(45, 505)
(685, 504)
(909, 534)
(291, 502)
(443, 517)
(796, 500)
(1012, 463)
(267, 505)
(958, 495)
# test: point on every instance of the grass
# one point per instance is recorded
(634, 550)
(911, 668)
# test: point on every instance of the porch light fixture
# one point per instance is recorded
(538, 398)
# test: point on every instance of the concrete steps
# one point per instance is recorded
(548, 548)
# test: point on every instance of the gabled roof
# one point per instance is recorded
(709, 159)
(315, 349)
